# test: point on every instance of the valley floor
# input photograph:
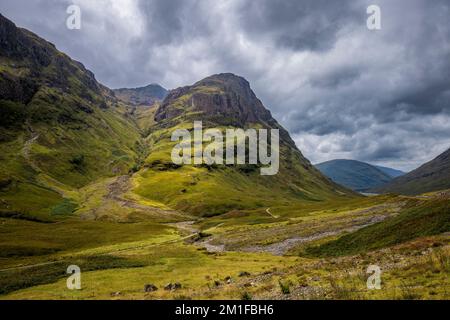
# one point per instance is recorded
(319, 251)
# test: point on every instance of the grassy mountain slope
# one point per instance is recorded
(419, 219)
(353, 174)
(59, 128)
(224, 101)
(432, 176)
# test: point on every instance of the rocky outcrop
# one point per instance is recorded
(225, 96)
(147, 95)
(31, 63)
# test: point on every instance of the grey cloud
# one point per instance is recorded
(300, 25)
(341, 90)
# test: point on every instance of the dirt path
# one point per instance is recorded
(185, 226)
(188, 227)
(27, 148)
(117, 190)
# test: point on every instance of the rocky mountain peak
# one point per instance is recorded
(225, 97)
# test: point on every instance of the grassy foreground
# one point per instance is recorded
(319, 250)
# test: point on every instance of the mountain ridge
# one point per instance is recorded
(433, 175)
(394, 173)
(60, 129)
(354, 174)
(226, 101)
(141, 96)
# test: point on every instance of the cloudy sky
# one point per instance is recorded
(342, 90)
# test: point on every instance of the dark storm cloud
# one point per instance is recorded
(300, 25)
(342, 91)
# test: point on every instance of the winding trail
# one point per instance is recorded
(27, 148)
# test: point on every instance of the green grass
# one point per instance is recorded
(419, 220)
(64, 208)
(12, 280)
(75, 236)
(194, 269)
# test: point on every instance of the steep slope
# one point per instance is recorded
(142, 103)
(418, 219)
(62, 131)
(59, 128)
(143, 96)
(224, 101)
(356, 175)
(393, 173)
(432, 176)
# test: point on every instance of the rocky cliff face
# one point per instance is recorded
(56, 120)
(31, 64)
(222, 99)
(144, 96)
(223, 95)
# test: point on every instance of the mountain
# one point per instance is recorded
(146, 96)
(142, 103)
(66, 141)
(393, 173)
(432, 176)
(224, 101)
(356, 175)
(59, 128)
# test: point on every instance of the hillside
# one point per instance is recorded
(62, 130)
(356, 175)
(59, 128)
(432, 176)
(394, 173)
(224, 101)
(419, 219)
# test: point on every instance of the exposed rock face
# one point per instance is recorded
(49, 100)
(31, 63)
(223, 95)
(150, 288)
(141, 96)
(222, 99)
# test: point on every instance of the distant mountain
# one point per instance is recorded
(147, 95)
(394, 173)
(356, 175)
(432, 176)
